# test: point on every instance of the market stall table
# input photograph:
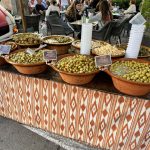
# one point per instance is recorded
(95, 113)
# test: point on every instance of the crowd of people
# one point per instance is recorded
(76, 8)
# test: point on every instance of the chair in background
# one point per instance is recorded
(118, 28)
(56, 25)
(54, 13)
(105, 33)
(128, 25)
(32, 21)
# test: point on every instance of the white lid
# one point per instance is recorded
(138, 19)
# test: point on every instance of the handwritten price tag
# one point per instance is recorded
(5, 49)
(103, 60)
(50, 55)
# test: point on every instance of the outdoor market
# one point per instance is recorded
(79, 69)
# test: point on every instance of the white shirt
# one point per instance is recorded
(97, 17)
(52, 8)
(131, 9)
(32, 4)
(64, 2)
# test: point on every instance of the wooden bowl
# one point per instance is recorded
(130, 87)
(28, 68)
(62, 48)
(2, 61)
(22, 36)
(13, 47)
(95, 44)
(74, 78)
(124, 46)
(12, 44)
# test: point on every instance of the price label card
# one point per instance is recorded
(50, 55)
(5, 49)
(30, 51)
(103, 60)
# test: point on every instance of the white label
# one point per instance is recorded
(103, 60)
(5, 49)
(30, 51)
(50, 55)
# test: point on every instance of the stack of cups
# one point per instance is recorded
(135, 39)
(86, 38)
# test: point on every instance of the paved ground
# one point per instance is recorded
(14, 136)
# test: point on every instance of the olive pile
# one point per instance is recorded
(25, 58)
(28, 40)
(132, 70)
(144, 52)
(77, 64)
(57, 39)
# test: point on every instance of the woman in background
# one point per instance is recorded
(53, 7)
(104, 15)
(132, 7)
(74, 11)
(31, 5)
(39, 7)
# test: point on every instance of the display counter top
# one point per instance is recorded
(102, 82)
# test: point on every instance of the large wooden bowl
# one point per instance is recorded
(61, 48)
(95, 44)
(28, 68)
(124, 46)
(13, 47)
(130, 87)
(74, 78)
(17, 38)
(2, 61)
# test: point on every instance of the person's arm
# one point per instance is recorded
(69, 18)
(97, 17)
(11, 25)
(47, 11)
(131, 9)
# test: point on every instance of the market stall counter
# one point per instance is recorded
(95, 113)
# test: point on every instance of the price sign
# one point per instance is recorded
(30, 51)
(103, 60)
(50, 55)
(5, 49)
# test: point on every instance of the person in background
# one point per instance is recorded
(53, 7)
(44, 4)
(48, 4)
(64, 4)
(103, 16)
(93, 3)
(40, 9)
(31, 5)
(132, 7)
(74, 11)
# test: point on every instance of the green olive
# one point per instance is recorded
(132, 70)
(77, 64)
(25, 58)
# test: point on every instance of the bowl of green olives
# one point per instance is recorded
(76, 69)
(59, 42)
(131, 76)
(27, 39)
(26, 63)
